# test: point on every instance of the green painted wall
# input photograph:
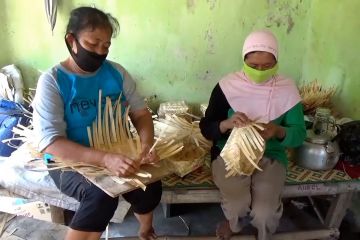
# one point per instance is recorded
(332, 51)
(179, 49)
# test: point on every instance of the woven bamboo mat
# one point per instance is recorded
(201, 177)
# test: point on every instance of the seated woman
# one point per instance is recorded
(255, 93)
(66, 103)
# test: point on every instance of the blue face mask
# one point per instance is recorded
(85, 59)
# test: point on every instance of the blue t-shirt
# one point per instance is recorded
(66, 103)
(81, 98)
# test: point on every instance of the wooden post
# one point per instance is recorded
(57, 215)
(337, 209)
(166, 209)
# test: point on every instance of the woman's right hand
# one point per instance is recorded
(238, 119)
(120, 165)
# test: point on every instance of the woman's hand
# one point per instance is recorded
(120, 165)
(272, 130)
(143, 123)
(238, 119)
(147, 157)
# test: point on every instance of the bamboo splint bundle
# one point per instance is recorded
(110, 132)
(243, 150)
(195, 145)
(178, 128)
(314, 95)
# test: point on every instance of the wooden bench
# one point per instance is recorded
(198, 187)
(300, 182)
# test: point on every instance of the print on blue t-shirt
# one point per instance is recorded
(81, 97)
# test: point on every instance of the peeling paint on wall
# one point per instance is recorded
(212, 3)
(206, 76)
(281, 14)
(290, 24)
(165, 54)
(190, 4)
(271, 2)
(210, 41)
(180, 49)
(332, 52)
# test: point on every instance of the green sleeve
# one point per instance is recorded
(294, 124)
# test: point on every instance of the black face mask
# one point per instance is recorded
(86, 60)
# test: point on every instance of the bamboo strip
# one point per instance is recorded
(112, 123)
(99, 126)
(88, 129)
(106, 131)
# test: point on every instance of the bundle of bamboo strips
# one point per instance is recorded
(186, 161)
(243, 150)
(179, 128)
(314, 95)
(195, 145)
(110, 132)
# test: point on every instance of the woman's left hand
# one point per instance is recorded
(147, 157)
(272, 130)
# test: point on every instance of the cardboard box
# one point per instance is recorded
(25, 207)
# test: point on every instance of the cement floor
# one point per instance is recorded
(187, 220)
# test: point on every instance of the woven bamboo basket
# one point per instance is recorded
(180, 129)
(243, 150)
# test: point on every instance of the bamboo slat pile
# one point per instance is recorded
(243, 150)
(195, 145)
(314, 95)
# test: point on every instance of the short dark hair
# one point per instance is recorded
(89, 17)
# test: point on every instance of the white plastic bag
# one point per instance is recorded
(11, 84)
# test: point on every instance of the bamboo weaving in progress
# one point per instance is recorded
(243, 150)
(195, 148)
(110, 132)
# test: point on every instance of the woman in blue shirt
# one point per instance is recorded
(66, 103)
